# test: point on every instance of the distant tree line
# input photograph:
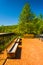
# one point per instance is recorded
(8, 29)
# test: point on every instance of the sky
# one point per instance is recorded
(10, 10)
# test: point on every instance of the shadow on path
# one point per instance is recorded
(18, 53)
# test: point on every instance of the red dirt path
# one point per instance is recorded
(31, 53)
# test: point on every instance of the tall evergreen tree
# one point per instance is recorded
(25, 17)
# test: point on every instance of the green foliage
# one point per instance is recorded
(5, 41)
(5, 29)
(25, 20)
(28, 23)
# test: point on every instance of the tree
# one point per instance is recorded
(26, 16)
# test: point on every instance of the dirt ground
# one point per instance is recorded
(30, 52)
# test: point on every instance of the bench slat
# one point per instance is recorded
(14, 48)
(18, 40)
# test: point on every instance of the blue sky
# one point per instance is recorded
(10, 10)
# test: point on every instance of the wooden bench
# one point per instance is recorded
(11, 52)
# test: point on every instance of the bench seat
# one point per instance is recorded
(11, 52)
(14, 48)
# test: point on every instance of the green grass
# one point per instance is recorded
(5, 41)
